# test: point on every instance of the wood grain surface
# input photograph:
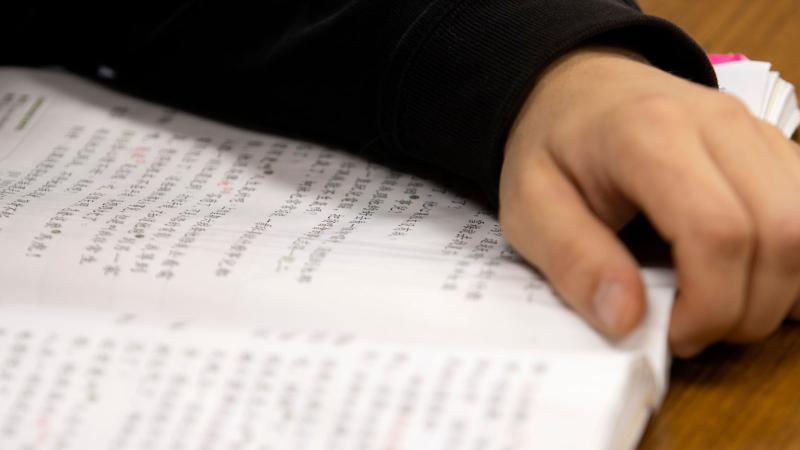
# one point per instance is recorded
(736, 397)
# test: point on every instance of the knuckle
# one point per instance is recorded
(775, 134)
(650, 122)
(729, 107)
(725, 234)
(659, 110)
(782, 239)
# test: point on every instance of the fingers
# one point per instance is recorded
(715, 182)
(789, 152)
(764, 174)
(665, 169)
(547, 221)
(724, 197)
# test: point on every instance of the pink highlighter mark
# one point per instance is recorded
(722, 59)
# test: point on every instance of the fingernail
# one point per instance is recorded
(609, 304)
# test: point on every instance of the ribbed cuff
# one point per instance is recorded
(460, 84)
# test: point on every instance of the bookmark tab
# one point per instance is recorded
(722, 59)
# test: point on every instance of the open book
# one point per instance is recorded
(169, 282)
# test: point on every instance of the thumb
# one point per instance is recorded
(546, 219)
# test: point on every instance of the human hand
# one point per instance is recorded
(604, 135)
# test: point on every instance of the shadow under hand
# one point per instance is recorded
(647, 246)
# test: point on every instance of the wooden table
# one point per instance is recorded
(736, 397)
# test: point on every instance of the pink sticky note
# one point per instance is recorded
(722, 59)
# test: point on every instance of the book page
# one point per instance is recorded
(766, 95)
(110, 203)
(75, 382)
(750, 81)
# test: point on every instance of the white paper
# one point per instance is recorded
(766, 95)
(113, 205)
(143, 209)
(748, 80)
(91, 381)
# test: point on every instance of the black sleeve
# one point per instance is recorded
(437, 81)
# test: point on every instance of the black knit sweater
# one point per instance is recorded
(438, 82)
